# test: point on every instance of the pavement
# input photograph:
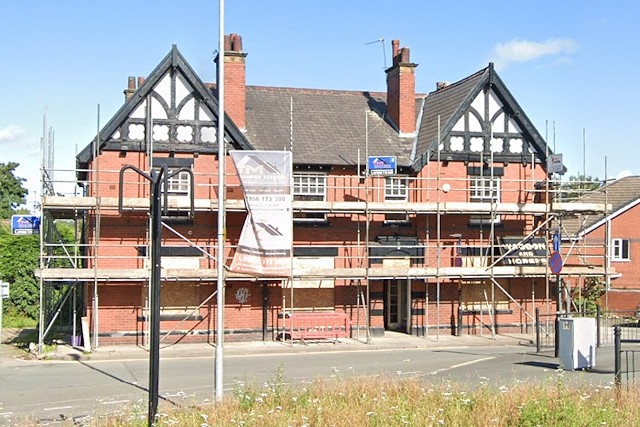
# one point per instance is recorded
(391, 340)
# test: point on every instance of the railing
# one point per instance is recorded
(339, 188)
(626, 364)
(125, 254)
(628, 322)
(436, 252)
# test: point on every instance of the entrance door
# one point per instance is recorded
(397, 305)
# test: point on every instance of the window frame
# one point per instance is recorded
(396, 190)
(306, 190)
(485, 193)
(179, 184)
(620, 249)
(480, 192)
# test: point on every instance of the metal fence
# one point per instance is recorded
(626, 356)
(606, 322)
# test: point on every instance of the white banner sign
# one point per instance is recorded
(266, 240)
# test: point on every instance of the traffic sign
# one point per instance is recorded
(556, 241)
(555, 263)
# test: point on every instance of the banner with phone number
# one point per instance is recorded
(266, 240)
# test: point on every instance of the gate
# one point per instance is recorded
(627, 359)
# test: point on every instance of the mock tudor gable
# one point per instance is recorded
(475, 119)
(175, 104)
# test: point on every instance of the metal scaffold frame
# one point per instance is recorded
(86, 212)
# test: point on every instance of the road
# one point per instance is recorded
(52, 391)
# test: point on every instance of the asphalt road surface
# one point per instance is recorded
(52, 391)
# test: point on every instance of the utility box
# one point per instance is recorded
(577, 343)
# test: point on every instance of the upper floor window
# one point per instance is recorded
(310, 186)
(484, 189)
(396, 189)
(620, 249)
(180, 183)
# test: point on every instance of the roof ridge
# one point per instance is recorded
(460, 82)
(321, 91)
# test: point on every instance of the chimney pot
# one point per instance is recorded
(395, 46)
(140, 81)
(131, 88)
(236, 43)
(404, 55)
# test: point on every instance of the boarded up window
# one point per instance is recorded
(176, 298)
(311, 293)
(476, 297)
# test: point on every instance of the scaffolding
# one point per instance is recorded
(92, 260)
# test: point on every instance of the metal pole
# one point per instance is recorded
(43, 229)
(156, 241)
(265, 313)
(616, 356)
(459, 328)
(537, 329)
(218, 384)
(598, 331)
(558, 306)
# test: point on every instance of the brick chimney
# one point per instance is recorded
(401, 90)
(234, 80)
(131, 88)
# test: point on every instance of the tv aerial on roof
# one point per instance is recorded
(384, 54)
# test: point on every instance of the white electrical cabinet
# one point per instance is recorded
(577, 343)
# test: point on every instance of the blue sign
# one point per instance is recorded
(555, 263)
(381, 165)
(556, 241)
(25, 224)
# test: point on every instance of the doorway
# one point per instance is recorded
(397, 305)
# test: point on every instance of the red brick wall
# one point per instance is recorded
(122, 304)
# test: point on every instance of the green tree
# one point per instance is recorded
(579, 185)
(19, 257)
(587, 299)
(12, 193)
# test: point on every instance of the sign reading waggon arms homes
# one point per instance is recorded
(266, 240)
(531, 251)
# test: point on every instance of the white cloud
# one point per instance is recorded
(519, 50)
(11, 133)
(624, 173)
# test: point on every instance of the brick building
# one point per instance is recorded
(453, 240)
(617, 230)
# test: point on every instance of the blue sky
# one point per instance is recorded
(572, 66)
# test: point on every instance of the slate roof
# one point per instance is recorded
(444, 103)
(621, 194)
(324, 127)
(328, 127)
(450, 102)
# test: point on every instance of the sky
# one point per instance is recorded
(571, 66)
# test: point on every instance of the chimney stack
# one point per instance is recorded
(401, 90)
(131, 88)
(234, 80)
